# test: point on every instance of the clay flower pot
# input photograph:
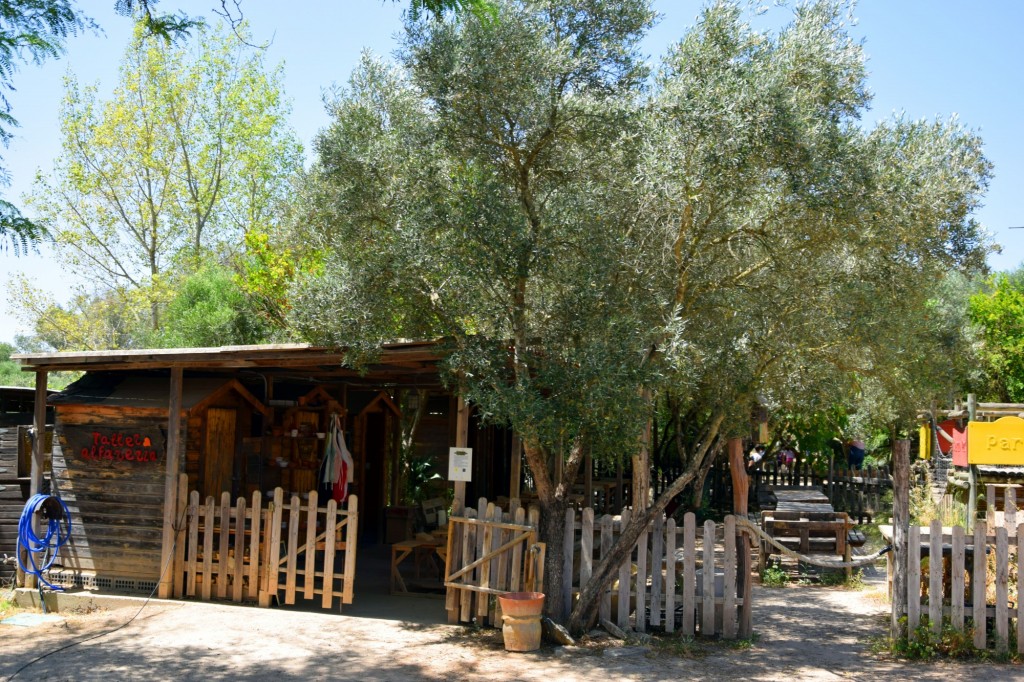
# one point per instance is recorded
(521, 613)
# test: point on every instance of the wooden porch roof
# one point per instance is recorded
(404, 362)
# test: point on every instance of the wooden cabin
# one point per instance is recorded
(235, 420)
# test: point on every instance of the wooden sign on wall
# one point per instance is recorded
(998, 442)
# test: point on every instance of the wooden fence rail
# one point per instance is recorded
(970, 588)
(694, 579)
(251, 552)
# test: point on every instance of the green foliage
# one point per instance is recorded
(999, 313)
(209, 309)
(189, 153)
(774, 576)
(420, 472)
(926, 645)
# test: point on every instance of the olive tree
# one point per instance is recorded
(588, 242)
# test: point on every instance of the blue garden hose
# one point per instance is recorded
(58, 530)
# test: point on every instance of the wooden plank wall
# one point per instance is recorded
(12, 497)
(14, 490)
(116, 506)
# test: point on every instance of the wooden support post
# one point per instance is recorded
(39, 431)
(36, 473)
(740, 480)
(900, 528)
(171, 462)
(972, 471)
(461, 441)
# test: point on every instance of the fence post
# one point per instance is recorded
(900, 526)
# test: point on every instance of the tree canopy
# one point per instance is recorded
(588, 242)
(190, 153)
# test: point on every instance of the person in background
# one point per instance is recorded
(786, 459)
(756, 455)
(855, 453)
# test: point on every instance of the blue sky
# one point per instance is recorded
(926, 58)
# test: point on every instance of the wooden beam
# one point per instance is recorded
(171, 462)
(740, 480)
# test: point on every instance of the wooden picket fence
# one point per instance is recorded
(986, 601)
(245, 552)
(663, 583)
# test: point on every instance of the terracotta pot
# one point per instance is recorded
(521, 612)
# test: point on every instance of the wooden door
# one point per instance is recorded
(219, 452)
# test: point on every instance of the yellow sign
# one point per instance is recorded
(998, 442)
(925, 442)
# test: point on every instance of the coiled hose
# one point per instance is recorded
(58, 530)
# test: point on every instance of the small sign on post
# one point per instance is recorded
(460, 464)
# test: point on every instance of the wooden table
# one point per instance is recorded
(800, 495)
(420, 550)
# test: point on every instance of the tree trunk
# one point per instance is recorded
(740, 480)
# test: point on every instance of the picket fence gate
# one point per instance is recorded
(245, 552)
(662, 584)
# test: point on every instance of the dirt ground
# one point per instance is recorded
(801, 633)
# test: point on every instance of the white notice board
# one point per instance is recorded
(460, 464)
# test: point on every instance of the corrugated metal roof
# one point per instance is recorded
(1000, 470)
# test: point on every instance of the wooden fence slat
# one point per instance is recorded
(1020, 588)
(625, 573)
(273, 572)
(729, 601)
(486, 538)
(990, 505)
(657, 569)
(641, 581)
(605, 607)
(935, 577)
(978, 584)
(586, 547)
(670, 575)
(331, 526)
(193, 542)
(957, 568)
(746, 627)
(351, 539)
(239, 567)
(689, 574)
(256, 543)
(223, 546)
(500, 580)
(516, 574)
(309, 560)
(453, 558)
(1002, 591)
(208, 517)
(180, 538)
(913, 582)
(468, 556)
(291, 559)
(1010, 509)
(707, 625)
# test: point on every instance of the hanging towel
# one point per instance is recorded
(342, 467)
